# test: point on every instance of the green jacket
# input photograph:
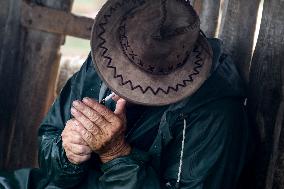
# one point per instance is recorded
(215, 141)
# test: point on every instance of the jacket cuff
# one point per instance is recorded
(66, 165)
(135, 157)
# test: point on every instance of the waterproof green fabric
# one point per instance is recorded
(216, 139)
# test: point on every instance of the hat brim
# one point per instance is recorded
(134, 84)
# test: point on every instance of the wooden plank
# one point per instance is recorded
(40, 64)
(238, 30)
(55, 21)
(208, 11)
(10, 70)
(266, 100)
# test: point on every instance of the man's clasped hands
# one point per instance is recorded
(97, 129)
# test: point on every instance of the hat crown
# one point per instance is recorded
(159, 36)
(138, 45)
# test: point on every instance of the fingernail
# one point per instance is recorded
(86, 99)
(76, 103)
(73, 110)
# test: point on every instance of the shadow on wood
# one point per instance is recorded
(266, 100)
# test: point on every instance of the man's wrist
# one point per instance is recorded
(123, 150)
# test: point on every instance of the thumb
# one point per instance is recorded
(120, 107)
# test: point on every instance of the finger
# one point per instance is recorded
(69, 125)
(77, 159)
(94, 116)
(86, 135)
(116, 98)
(120, 107)
(79, 149)
(101, 109)
(73, 137)
(87, 123)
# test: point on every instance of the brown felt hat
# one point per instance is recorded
(150, 52)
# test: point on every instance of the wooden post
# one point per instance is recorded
(239, 23)
(266, 100)
(10, 69)
(40, 64)
(209, 12)
(55, 21)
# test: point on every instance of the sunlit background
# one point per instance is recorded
(75, 47)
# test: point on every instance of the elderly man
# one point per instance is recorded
(177, 119)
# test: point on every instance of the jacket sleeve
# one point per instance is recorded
(52, 158)
(133, 172)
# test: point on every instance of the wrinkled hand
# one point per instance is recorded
(102, 129)
(76, 149)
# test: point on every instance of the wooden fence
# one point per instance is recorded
(32, 32)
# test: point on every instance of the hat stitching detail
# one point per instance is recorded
(199, 62)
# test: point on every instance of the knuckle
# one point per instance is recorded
(89, 125)
(96, 119)
(100, 121)
(76, 138)
(84, 133)
(81, 149)
(90, 113)
(104, 112)
(88, 136)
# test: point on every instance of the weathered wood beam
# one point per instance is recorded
(238, 31)
(209, 12)
(10, 70)
(55, 21)
(40, 62)
(266, 100)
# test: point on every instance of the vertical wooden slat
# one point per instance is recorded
(40, 66)
(208, 11)
(224, 8)
(266, 100)
(10, 68)
(238, 30)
